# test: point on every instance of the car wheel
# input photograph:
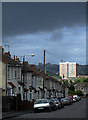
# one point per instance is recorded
(62, 106)
(35, 111)
(49, 110)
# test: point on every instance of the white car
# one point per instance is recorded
(41, 104)
(75, 98)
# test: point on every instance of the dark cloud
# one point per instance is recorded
(21, 18)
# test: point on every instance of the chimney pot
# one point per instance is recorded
(16, 57)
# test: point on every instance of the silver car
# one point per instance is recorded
(41, 104)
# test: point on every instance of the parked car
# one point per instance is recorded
(42, 104)
(69, 99)
(76, 97)
(52, 104)
(58, 104)
(74, 100)
(62, 104)
(65, 101)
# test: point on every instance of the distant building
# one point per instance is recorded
(68, 69)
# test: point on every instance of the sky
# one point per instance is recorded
(59, 28)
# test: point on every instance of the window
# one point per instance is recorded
(68, 70)
(15, 74)
(8, 71)
(18, 72)
(72, 70)
(63, 71)
(55, 85)
(9, 92)
(11, 72)
(40, 82)
(30, 96)
(63, 68)
(34, 82)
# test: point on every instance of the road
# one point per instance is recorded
(76, 110)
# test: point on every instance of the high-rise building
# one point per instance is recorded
(67, 69)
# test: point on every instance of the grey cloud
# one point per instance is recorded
(57, 36)
(21, 18)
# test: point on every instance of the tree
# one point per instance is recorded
(79, 92)
(76, 80)
(66, 82)
(81, 79)
(71, 87)
(59, 77)
(72, 92)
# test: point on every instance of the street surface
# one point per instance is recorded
(76, 110)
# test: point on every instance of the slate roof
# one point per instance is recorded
(8, 60)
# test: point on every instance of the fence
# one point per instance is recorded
(15, 104)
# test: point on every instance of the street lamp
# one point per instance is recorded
(32, 55)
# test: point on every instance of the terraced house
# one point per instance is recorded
(27, 80)
(11, 75)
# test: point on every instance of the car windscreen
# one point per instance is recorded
(62, 99)
(40, 101)
(50, 100)
(54, 99)
(67, 98)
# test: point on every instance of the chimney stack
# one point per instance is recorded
(8, 53)
(17, 59)
(14, 57)
(1, 50)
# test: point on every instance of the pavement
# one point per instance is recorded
(12, 114)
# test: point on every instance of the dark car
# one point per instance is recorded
(58, 104)
(69, 99)
(62, 105)
(65, 101)
(52, 104)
